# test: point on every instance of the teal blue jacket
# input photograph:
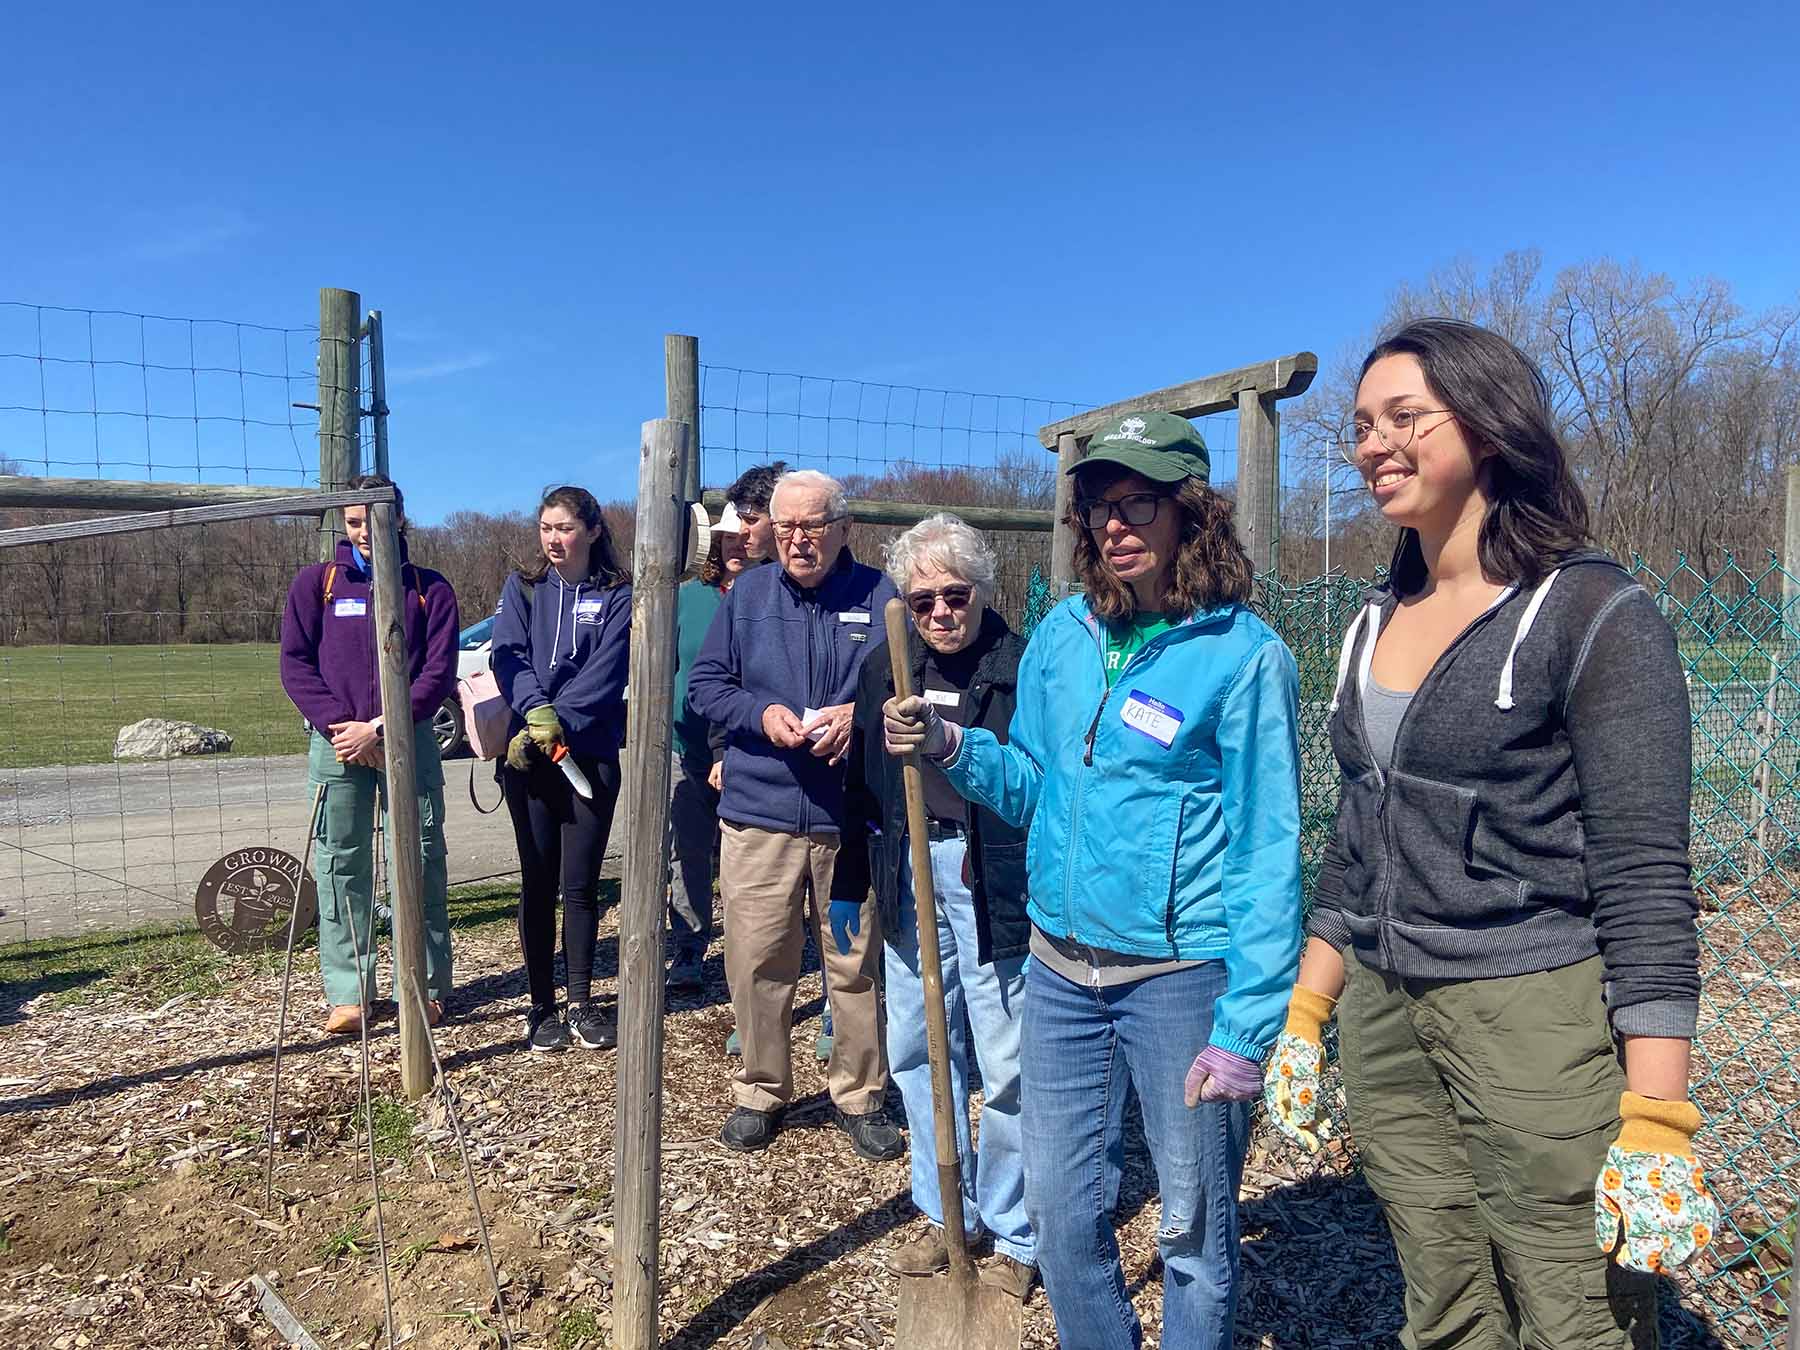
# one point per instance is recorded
(695, 605)
(1164, 813)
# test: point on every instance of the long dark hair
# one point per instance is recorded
(1537, 516)
(1210, 569)
(603, 560)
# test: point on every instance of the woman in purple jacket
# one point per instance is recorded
(328, 669)
(562, 641)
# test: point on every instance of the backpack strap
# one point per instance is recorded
(418, 590)
(329, 577)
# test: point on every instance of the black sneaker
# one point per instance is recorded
(872, 1135)
(545, 1032)
(686, 973)
(749, 1131)
(591, 1028)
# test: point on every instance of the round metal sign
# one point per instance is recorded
(247, 898)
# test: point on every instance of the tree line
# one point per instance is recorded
(1679, 406)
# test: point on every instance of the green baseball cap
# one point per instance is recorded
(1161, 446)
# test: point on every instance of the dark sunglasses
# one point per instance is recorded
(1136, 508)
(921, 603)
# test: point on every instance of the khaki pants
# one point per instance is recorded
(1482, 1110)
(771, 884)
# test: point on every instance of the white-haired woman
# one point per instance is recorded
(965, 660)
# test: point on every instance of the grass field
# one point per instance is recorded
(65, 705)
(160, 961)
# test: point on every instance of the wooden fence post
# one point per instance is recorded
(340, 375)
(1259, 478)
(681, 380)
(1062, 538)
(408, 871)
(637, 1131)
(378, 409)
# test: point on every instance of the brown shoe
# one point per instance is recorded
(922, 1256)
(345, 1020)
(1015, 1277)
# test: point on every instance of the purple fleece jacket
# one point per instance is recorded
(328, 651)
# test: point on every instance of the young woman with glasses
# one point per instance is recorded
(1154, 757)
(1503, 922)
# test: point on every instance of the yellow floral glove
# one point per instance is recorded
(1651, 1192)
(542, 726)
(1291, 1079)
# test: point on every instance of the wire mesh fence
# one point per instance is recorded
(180, 625)
(110, 394)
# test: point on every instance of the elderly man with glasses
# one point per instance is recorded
(778, 672)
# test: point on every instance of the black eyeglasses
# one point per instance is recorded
(812, 529)
(1395, 429)
(1135, 508)
(922, 603)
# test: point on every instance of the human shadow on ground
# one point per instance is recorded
(729, 1309)
(15, 994)
(1318, 1260)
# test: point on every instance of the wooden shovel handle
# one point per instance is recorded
(931, 968)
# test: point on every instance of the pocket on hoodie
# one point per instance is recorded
(1437, 880)
(1360, 829)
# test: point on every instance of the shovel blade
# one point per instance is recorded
(945, 1312)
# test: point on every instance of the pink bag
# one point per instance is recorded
(486, 715)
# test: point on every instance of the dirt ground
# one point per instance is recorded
(132, 1211)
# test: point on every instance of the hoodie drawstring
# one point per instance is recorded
(1503, 699)
(574, 610)
(556, 641)
(1371, 614)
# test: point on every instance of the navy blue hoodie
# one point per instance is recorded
(569, 646)
(775, 642)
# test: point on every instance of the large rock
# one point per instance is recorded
(160, 738)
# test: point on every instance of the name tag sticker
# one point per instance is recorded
(1156, 719)
(350, 609)
(854, 616)
(588, 611)
(944, 698)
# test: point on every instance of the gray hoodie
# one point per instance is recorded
(1536, 808)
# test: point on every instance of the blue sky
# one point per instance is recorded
(1073, 201)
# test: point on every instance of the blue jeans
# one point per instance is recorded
(993, 1181)
(1083, 1050)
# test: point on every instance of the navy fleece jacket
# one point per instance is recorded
(771, 642)
(568, 646)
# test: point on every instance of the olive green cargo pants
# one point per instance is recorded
(344, 867)
(1482, 1110)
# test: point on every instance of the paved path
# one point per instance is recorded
(98, 846)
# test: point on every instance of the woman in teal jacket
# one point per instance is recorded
(1154, 754)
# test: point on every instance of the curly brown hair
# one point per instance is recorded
(712, 569)
(1211, 568)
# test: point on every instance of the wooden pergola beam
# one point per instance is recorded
(1284, 377)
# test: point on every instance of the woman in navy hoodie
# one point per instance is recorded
(562, 635)
(328, 670)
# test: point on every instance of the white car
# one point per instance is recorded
(474, 651)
